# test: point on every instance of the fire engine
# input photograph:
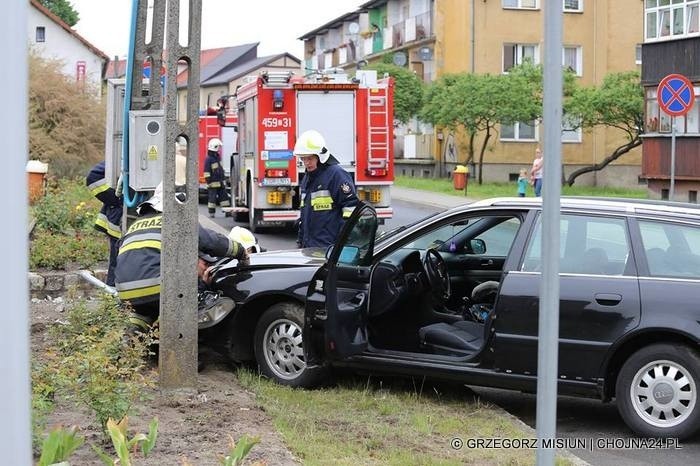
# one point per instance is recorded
(354, 116)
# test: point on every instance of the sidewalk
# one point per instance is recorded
(429, 198)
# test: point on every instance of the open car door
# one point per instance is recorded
(335, 322)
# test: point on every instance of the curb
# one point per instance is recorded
(428, 198)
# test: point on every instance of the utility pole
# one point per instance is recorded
(178, 299)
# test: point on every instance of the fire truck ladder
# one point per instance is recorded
(378, 128)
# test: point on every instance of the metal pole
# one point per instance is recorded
(15, 433)
(548, 347)
(672, 191)
(178, 297)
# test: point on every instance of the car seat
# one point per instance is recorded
(594, 261)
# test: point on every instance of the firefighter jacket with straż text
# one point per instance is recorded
(327, 198)
(109, 219)
(213, 170)
(137, 275)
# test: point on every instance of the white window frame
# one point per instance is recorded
(655, 12)
(570, 136)
(516, 133)
(657, 121)
(638, 54)
(578, 67)
(573, 10)
(519, 5)
(518, 58)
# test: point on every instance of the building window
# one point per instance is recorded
(665, 19)
(658, 121)
(519, 131)
(40, 34)
(517, 54)
(524, 4)
(638, 54)
(573, 5)
(570, 129)
(572, 59)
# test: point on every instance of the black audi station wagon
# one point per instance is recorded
(455, 296)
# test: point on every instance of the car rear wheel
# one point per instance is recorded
(278, 347)
(657, 391)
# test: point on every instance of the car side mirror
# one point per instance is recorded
(477, 246)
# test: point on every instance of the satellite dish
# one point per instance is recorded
(399, 59)
(353, 28)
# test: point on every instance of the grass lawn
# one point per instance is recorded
(391, 421)
(486, 190)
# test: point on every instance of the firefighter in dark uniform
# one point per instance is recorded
(109, 219)
(214, 176)
(327, 192)
(138, 267)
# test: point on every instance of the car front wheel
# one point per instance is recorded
(279, 351)
(657, 391)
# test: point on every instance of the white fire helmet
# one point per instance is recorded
(155, 201)
(214, 144)
(245, 238)
(312, 143)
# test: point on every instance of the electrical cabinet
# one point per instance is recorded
(146, 148)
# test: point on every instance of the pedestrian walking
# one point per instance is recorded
(327, 192)
(536, 172)
(109, 218)
(522, 182)
(214, 176)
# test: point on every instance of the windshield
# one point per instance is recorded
(385, 234)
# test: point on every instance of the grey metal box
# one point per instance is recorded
(146, 148)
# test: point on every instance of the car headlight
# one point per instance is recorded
(215, 314)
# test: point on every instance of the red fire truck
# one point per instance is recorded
(354, 116)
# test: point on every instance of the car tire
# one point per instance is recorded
(657, 391)
(278, 347)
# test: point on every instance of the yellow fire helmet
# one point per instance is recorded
(245, 238)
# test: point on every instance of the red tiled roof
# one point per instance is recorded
(68, 29)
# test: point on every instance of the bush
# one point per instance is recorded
(64, 232)
(66, 123)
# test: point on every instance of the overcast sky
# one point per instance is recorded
(276, 24)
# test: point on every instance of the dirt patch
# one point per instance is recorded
(194, 429)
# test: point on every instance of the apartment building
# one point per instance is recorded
(671, 46)
(435, 37)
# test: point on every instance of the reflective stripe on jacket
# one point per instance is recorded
(327, 198)
(109, 219)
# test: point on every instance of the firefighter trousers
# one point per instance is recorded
(217, 196)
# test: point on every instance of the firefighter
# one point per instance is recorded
(327, 192)
(109, 219)
(214, 176)
(138, 266)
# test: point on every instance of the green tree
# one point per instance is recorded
(617, 103)
(63, 9)
(477, 104)
(408, 90)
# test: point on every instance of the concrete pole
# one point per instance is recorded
(15, 391)
(178, 298)
(548, 347)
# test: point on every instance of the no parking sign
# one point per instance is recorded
(675, 95)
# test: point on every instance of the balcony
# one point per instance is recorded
(412, 29)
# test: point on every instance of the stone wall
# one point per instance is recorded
(55, 283)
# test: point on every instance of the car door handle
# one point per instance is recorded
(358, 299)
(608, 299)
(487, 262)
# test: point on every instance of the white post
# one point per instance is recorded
(548, 346)
(15, 432)
(672, 191)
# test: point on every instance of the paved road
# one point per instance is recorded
(576, 418)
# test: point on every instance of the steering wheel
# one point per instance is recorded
(438, 279)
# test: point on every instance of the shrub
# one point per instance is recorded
(64, 232)
(66, 123)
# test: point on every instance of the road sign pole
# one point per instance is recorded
(672, 191)
(548, 331)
